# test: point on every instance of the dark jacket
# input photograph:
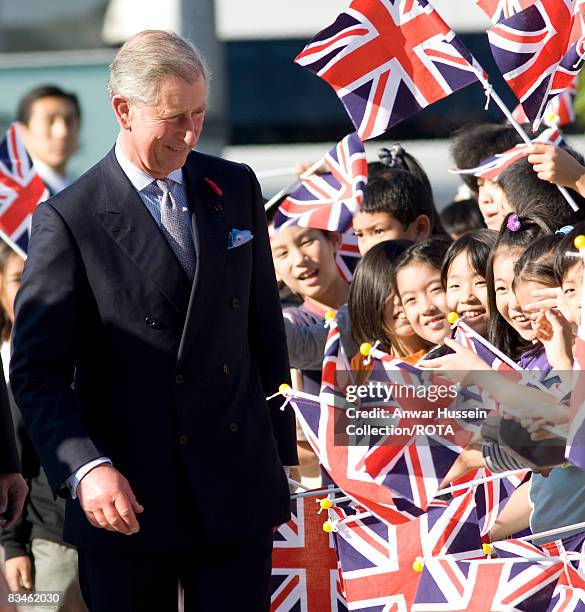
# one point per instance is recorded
(117, 354)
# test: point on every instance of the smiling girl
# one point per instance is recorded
(463, 277)
(510, 330)
(375, 311)
(417, 278)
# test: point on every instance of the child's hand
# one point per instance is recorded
(456, 365)
(469, 459)
(555, 165)
(556, 335)
(545, 298)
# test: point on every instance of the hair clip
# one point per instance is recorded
(513, 223)
(566, 229)
(393, 157)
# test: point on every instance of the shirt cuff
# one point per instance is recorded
(73, 481)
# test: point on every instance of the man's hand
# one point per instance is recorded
(13, 490)
(18, 572)
(108, 500)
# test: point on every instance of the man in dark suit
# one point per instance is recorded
(148, 333)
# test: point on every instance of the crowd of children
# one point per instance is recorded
(501, 262)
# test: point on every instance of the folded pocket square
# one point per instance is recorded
(238, 238)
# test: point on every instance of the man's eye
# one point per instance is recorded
(436, 289)
(379, 231)
(307, 241)
(357, 234)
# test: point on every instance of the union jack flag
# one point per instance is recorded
(305, 575)
(323, 422)
(569, 593)
(376, 558)
(559, 112)
(348, 255)
(329, 201)
(470, 339)
(490, 496)
(388, 59)
(539, 52)
(413, 458)
(486, 586)
(21, 189)
(493, 167)
(497, 10)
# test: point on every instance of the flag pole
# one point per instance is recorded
(473, 483)
(491, 93)
(284, 191)
(12, 244)
(550, 532)
(461, 321)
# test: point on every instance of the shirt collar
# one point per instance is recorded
(138, 177)
(53, 180)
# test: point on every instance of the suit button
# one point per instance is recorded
(151, 322)
(233, 427)
(235, 303)
(183, 440)
(179, 379)
(226, 368)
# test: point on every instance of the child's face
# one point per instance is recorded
(572, 287)
(10, 283)
(493, 203)
(304, 259)
(423, 299)
(506, 301)
(467, 294)
(523, 291)
(371, 228)
(395, 322)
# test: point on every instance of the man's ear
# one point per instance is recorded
(122, 111)
(422, 227)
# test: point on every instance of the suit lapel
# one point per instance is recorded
(130, 224)
(210, 236)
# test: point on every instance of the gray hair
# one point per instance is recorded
(148, 57)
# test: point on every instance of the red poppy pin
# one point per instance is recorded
(216, 191)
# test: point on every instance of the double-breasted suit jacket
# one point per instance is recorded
(118, 354)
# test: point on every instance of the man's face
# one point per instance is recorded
(157, 139)
(52, 132)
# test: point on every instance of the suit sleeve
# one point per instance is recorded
(48, 324)
(266, 332)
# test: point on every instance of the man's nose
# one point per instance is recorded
(193, 128)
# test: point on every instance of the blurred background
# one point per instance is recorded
(264, 110)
